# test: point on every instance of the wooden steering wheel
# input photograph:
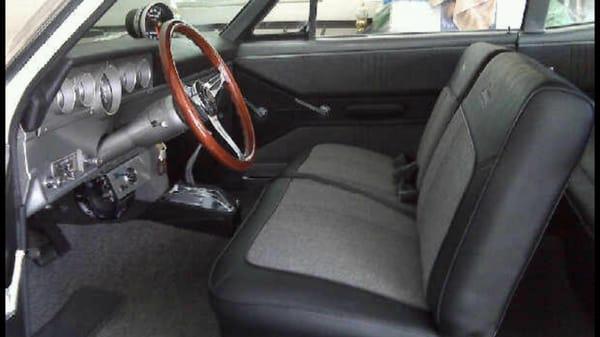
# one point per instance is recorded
(202, 95)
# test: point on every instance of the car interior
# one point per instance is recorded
(286, 178)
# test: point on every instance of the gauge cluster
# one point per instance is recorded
(98, 89)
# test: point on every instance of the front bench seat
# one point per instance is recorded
(317, 260)
(374, 172)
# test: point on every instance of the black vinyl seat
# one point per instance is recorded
(316, 259)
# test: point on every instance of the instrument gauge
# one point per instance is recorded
(128, 76)
(144, 73)
(65, 97)
(85, 89)
(106, 95)
(108, 90)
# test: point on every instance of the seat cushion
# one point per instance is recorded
(354, 166)
(343, 237)
(339, 264)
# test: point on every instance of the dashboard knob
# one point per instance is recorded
(127, 177)
(130, 175)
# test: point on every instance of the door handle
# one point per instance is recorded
(322, 110)
(259, 111)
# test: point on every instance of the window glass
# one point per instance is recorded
(569, 12)
(287, 16)
(204, 15)
(350, 17)
(26, 19)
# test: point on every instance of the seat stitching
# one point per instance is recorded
(476, 208)
(459, 98)
(229, 244)
(437, 170)
(548, 216)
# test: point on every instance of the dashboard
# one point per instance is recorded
(89, 106)
(107, 123)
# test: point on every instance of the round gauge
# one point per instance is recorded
(106, 95)
(128, 76)
(65, 97)
(144, 73)
(85, 89)
(144, 22)
(108, 90)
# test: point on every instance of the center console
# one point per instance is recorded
(199, 207)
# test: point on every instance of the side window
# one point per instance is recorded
(357, 17)
(351, 17)
(288, 16)
(569, 12)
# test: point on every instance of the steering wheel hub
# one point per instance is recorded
(207, 99)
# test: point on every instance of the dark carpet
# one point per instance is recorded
(545, 303)
(77, 318)
(162, 272)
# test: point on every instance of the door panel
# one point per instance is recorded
(569, 51)
(383, 72)
(379, 90)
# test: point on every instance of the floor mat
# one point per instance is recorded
(162, 271)
(83, 314)
(545, 303)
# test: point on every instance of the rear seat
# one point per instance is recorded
(580, 192)
(377, 174)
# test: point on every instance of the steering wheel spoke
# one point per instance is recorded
(216, 123)
(192, 93)
(214, 84)
(196, 98)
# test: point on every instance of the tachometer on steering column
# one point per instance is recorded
(143, 22)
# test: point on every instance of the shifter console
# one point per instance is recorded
(203, 208)
(207, 198)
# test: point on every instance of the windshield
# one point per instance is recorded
(205, 15)
(27, 18)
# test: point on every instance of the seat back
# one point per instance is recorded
(491, 186)
(580, 192)
(469, 66)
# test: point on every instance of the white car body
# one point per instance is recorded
(17, 87)
(18, 84)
